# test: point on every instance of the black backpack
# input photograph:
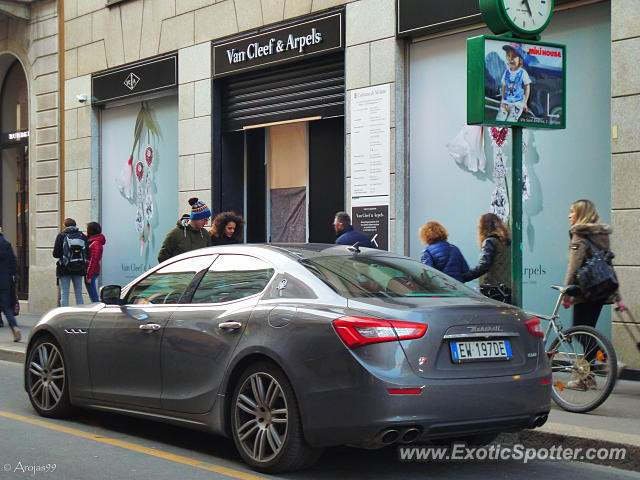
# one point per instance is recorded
(596, 276)
(74, 253)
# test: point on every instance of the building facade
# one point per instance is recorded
(211, 130)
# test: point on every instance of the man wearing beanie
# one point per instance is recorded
(189, 232)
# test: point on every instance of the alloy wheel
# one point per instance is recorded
(261, 417)
(46, 376)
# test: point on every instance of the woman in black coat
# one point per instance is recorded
(227, 228)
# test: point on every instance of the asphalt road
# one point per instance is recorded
(106, 446)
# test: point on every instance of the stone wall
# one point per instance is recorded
(625, 165)
(35, 44)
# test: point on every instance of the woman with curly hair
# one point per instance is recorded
(441, 254)
(227, 228)
(494, 265)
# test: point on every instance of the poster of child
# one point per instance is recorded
(516, 85)
(524, 83)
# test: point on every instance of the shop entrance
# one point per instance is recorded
(14, 165)
(287, 180)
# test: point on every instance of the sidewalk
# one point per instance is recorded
(616, 423)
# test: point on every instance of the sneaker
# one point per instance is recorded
(16, 334)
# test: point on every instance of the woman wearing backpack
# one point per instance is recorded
(586, 227)
(71, 250)
(96, 242)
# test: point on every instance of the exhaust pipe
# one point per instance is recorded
(540, 420)
(409, 435)
(387, 436)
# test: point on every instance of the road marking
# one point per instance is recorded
(230, 472)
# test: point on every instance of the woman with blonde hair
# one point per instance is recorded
(585, 227)
(441, 254)
(494, 265)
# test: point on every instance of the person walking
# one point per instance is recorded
(585, 227)
(96, 244)
(70, 248)
(346, 234)
(8, 280)
(227, 229)
(189, 232)
(441, 254)
(494, 265)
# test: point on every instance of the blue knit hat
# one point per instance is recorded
(198, 210)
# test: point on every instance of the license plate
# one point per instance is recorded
(480, 350)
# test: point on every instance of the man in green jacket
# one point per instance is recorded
(189, 232)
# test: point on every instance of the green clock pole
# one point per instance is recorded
(516, 217)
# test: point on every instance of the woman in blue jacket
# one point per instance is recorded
(441, 254)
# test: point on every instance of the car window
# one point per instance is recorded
(361, 276)
(232, 277)
(167, 284)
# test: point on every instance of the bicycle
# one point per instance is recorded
(583, 361)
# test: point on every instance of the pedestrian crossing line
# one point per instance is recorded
(230, 472)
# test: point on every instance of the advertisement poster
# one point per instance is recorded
(524, 83)
(139, 185)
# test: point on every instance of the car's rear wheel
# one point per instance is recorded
(265, 422)
(46, 379)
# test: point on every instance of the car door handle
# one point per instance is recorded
(230, 325)
(150, 327)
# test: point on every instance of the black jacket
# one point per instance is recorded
(58, 249)
(8, 265)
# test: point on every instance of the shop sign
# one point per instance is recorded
(12, 137)
(424, 17)
(373, 221)
(279, 45)
(160, 73)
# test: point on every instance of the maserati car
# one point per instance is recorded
(291, 348)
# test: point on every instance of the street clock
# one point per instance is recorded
(523, 18)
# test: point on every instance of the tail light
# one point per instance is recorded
(358, 331)
(534, 327)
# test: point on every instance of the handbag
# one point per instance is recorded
(596, 276)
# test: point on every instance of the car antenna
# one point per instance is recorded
(355, 248)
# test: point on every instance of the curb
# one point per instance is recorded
(545, 440)
(12, 354)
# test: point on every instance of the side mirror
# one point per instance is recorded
(110, 294)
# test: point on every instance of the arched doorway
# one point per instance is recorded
(14, 164)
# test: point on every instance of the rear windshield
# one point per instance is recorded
(359, 276)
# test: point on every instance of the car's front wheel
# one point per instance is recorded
(46, 379)
(265, 422)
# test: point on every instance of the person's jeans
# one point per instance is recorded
(6, 298)
(65, 281)
(92, 289)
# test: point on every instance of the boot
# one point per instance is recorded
(16, 334)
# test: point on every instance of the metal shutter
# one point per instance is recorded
(306, 89)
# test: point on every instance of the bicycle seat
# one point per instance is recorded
(571, 290)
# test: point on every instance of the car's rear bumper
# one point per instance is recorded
(445, 409)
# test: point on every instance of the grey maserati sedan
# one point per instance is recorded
(291, 348)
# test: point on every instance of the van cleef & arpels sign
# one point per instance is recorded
(310, 37)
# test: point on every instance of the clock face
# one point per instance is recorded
(528, 15)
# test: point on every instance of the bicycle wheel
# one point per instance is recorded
(583, 369)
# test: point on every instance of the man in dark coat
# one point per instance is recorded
(189, 232)
(8, 278)
(347, 235)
